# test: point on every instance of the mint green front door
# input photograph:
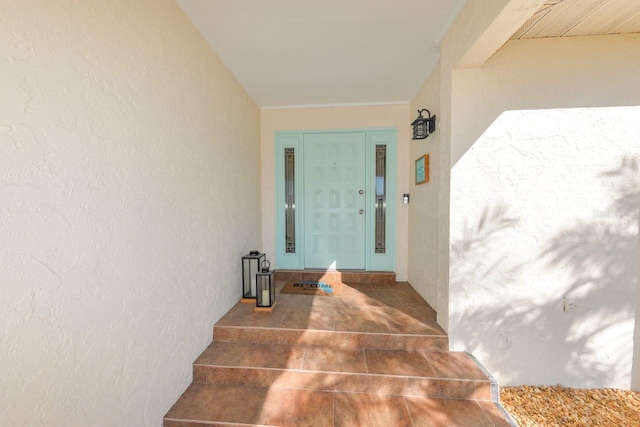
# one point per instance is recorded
(334, 199)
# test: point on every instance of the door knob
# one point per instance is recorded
(361, 192)
(361, 212)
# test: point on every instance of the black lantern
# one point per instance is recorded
(423, 126)
(265, 285)
(250, 266)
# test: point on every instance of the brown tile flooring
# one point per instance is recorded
(390, 309)
(333, 361)
(283, 407)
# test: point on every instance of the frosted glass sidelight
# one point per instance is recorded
(381, 199)
(290, 200)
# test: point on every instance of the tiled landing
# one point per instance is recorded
(391, 317)
(373, 356)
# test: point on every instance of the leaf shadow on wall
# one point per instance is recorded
(479, 260)
(601, 256)
(598, 257)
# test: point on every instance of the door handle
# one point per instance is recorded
(361, 192)
(361, 211)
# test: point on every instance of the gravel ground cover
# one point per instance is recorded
(567, 407)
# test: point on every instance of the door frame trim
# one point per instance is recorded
(374, 136)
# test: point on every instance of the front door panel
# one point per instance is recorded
(334, 183)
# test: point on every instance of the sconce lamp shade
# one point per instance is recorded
(423, 126)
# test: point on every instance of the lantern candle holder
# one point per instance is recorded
(250, 266)
(266, 289)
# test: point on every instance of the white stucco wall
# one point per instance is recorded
(423, 207)
(129, 189)
(542, 208)
(479, 30)
(545, 73)
(329, 118)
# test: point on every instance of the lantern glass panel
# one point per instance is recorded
(250, 266)
(420, 129)
(273, 290)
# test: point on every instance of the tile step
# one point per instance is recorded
(206, 405)
(355, 277)
(391, 385)
(336, 339)
(390, 372)
(372, 356)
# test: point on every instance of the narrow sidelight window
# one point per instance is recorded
(381, 198)
(290, 200)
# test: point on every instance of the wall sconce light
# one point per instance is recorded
(423, 126)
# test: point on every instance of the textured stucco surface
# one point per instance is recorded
(129, 189)
(423, 206)
(596, 71)
(543, 206)
(331, 118)
(478, 31)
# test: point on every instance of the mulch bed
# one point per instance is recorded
(558, 406)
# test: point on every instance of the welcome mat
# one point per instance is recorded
(308, 287)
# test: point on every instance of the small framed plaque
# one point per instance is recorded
(422, 169)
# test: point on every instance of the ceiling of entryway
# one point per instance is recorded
(299, 52)
(565, 18)
(295, 52)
